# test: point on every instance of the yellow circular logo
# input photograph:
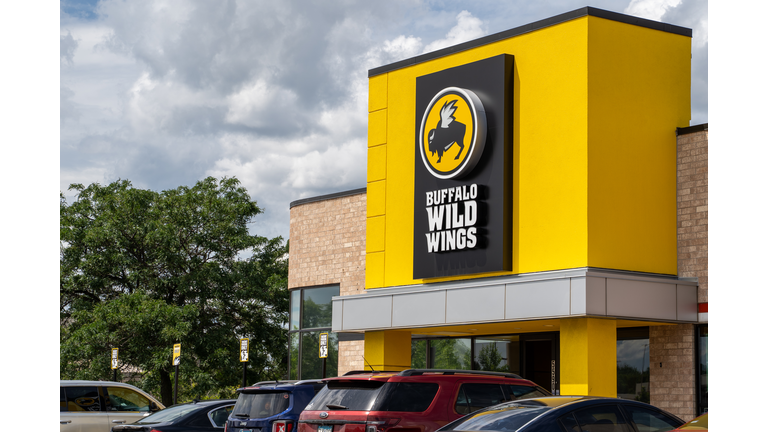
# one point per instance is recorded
(452, 134)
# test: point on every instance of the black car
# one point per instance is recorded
(198, 416)
(568, 414)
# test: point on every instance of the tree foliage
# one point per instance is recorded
(142, 270)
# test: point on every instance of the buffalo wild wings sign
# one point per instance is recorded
(462, 185)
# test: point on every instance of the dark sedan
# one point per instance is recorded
(568, 414)
(197, 416)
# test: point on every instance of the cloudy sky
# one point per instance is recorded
(166, 92)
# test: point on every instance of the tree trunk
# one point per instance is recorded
(166, 387)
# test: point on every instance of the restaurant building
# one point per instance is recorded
(536, 202)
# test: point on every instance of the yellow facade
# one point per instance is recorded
(595, 106)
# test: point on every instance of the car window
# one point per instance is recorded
(602, 418)
(168, 415)
(569, 423)
(524, 392)
(473, 397)
(509, 419)
(261, 404)
(83, 399)
(354, 395)
(647, 420)
(125, 399)
(408, 397)
(63, 398)
(219, 416)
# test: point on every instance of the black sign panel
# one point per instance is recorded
(462, 223)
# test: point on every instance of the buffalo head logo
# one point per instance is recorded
(457, 120)
(447, 133)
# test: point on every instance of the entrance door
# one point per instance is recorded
(540, 358)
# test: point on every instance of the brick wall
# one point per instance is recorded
(692, 214)
(673, 380)
(327, 246)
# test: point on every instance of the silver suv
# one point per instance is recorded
(96, 406)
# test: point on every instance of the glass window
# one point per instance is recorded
(569, 422)
(83, 399)
(295, 309)
(311, 363)
(408, 397)
(63, 398)
(450, 353)
(260, 404)
(168, 414)
(473, 397)
(602, 418)
(311, 314)
(633, 364)
(294, 355)
(703, 369)
(124, 399)
(219, 416)
(509, 419)
(317, 307)
(525, 392)
(418, 354)
(351, 395)
(650, 421)
(498, 354)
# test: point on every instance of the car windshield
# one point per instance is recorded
(353, 395)
(260, 404)
(511, 418)
(169, 415)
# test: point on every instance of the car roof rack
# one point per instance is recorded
(414, 372)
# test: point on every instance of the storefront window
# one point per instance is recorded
(450, 354)
(632, 364)
(498, 354)
(419, 354)
(311, 312)
(703, 362)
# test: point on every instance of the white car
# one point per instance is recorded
(96, 406)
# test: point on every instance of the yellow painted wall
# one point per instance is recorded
(588, 357)
(639, 92)
(566, 123)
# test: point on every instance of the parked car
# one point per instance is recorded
(700, 423)
(95, 406)
(568, 414)
(198, 416)
(271, 406)
(414, 400)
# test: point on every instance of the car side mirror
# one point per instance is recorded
(153, 407)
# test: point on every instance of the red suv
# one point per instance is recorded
(414, 400)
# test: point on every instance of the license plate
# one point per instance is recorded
(325, 428)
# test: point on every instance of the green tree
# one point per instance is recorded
(142, 270)
(490, 359)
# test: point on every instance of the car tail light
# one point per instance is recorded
(380, 424)
(282, 426)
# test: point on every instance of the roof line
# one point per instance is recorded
(327, 197)
(527, 28)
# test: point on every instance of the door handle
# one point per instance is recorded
(65, 421)
(118, 421)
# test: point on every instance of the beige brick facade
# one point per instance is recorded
(692, 208)
(673, 371)
(327, 246)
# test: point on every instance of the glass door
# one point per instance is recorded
(540, 359)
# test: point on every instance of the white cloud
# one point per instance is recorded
(467, 28)
(650, 9)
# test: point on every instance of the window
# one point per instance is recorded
(123, 399)
(83, 399)
(702, 354)
(650, 421)
(473, 397)
(633, 364)
(602, 418)
(354, 395)
(407, 397)
(219, 416)
(63, 402)
(311, 313)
